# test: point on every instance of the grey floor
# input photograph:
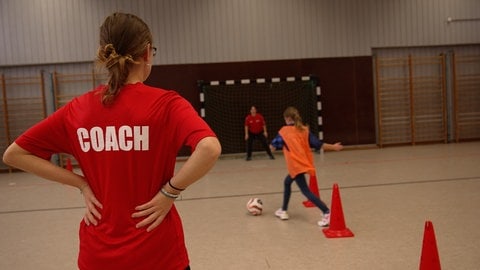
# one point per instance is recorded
(387, 196)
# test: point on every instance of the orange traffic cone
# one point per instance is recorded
(429, 259)
(313, 186)
(337, 221)
(69, 165)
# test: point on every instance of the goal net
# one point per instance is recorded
(225, 104)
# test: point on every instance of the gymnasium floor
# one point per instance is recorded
(387, 196)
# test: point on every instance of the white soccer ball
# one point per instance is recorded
(255, 206)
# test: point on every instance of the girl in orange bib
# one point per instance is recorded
(296, 141)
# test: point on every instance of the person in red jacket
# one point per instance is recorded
(296, 141)
(256, 129)
(125, 136)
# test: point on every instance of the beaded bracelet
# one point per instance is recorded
(174, 187)
(168, 194)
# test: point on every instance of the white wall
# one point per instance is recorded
(206, 31)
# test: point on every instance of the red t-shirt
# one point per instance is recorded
(255, 123)
(126, 151)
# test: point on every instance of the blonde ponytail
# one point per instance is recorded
(293, 113)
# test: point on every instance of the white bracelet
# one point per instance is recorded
(168, 194)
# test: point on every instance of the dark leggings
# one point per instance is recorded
(263, 140)
(302, 184)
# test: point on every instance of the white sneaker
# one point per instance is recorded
(325, 220)
(281, 214)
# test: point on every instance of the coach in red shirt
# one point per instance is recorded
(256, 128)
(125, 136)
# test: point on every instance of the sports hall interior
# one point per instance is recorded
(396, 82)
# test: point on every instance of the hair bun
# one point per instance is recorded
(109, 51)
